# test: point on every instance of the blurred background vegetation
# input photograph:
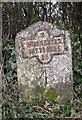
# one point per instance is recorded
(17, 16)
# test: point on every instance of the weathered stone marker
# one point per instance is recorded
(44, 60)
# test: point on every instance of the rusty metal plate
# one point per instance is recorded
(43, 47)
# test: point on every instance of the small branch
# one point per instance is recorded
(78, 100)
(41, 109)
(35, 113)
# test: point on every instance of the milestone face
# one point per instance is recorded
(44, 60)
(43, 46)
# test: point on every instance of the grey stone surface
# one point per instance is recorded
(48, 67)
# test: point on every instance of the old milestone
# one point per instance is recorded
(44, 61)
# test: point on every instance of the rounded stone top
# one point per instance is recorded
(39, 26)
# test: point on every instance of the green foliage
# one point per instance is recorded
(45, 106)
(35, 18)
(77, 63)
(51, 94)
